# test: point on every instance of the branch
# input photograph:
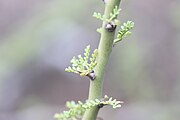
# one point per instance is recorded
(104, 50)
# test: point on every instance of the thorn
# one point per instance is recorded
(113, 45)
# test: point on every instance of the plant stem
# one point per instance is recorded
(104, 50)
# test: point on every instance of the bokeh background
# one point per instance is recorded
(38, 38)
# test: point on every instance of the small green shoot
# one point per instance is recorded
(77, 110)
(109, 18)
(83, 65)
(124, 31)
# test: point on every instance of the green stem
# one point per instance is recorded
(104, 50)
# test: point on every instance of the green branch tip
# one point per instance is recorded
(84, 65)
(77, 110)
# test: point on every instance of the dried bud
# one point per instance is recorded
(110, 26)
(92, 75)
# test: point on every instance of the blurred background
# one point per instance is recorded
(38, 38)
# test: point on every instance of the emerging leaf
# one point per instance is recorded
(78, 109)
(124, 31)
(83, 65)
